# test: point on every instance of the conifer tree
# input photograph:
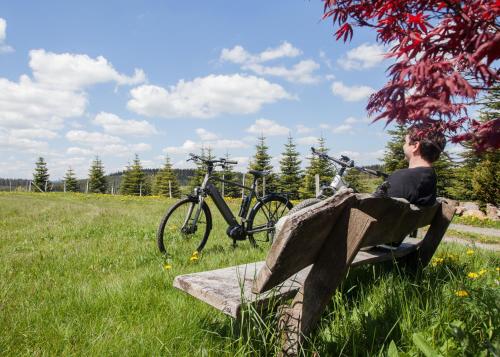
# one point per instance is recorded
(229, 175)
(197, 179)
(262, 162)
(166, 181)
(320, 166)
(70, 181)
(41, 175)
(486, 173)
(354, 178)
(134, 181)
(97, 181)
(291, 174)
(394, 156)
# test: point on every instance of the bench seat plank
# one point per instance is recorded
(228, 289)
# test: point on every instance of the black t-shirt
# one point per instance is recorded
(417, 185)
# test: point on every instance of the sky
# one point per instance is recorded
(157, 78)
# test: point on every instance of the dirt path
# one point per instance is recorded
(479, 230)
(472, 243)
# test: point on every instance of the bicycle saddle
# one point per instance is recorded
(257, 173)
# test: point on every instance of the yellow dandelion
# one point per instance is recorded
(461, 293)
(167, 266)
(193, 258)
(470, 252)
(498, 269)
(473, 275)
(482, 272)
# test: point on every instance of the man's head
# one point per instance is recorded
(426, 144)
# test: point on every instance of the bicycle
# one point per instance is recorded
(190, 220)
(338, 181)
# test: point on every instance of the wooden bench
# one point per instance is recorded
(312, 252)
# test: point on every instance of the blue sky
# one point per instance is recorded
(115, 78)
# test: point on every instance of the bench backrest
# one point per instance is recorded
(302, 236)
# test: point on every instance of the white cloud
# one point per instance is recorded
(141, 147)
(91, 138)
(78, 151)
(9, 142)
(362, 57)
(267, 127)
(190, 146)
(353, 93)
(77, 71)
(28, 104)
(307, 140)
(33, 133)
(113, 124)
(206, 97)
(343, 128)
(353, 120)
(302, 129)
(3, 36)
(301, 72)
(56, 92)
(239, 55)
(205, 135)
(324, 126)
(325, 59)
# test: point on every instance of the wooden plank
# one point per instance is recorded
(299, 239)
(228, 289)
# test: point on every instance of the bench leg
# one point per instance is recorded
(328, 271)
(423, 255)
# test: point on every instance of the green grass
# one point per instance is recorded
(476, 222)
(81, 275)
(474, 236)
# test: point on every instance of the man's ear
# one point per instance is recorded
(416, 149)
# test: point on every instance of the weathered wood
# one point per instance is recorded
(396, 218)
(299, 239)
(326, 274)
(433, 237)
(229, 289)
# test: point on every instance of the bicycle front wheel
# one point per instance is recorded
(179, 236)
(263, 217)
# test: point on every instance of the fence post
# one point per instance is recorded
(46, 185)
(263, 186)
(316, 182)
(169, 188)
(64, 186)
(29, 186)
(242, 189)
(223, 186)
(140, 189)
(87, 189)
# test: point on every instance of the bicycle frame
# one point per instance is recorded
(211, 190)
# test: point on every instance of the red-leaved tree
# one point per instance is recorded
(444, 53)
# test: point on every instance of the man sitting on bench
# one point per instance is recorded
(417, 183)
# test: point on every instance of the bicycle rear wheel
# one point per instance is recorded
(263, 217)
(178, 236)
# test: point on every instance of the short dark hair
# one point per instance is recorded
(432, 142)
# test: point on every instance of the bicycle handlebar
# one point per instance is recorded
(348, 163)
(221, 161)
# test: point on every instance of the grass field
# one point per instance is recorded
(81, 275)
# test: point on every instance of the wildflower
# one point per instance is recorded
(461, 293)
(482, 272)
(437, 261)
(167, 266)
(498, 269)
(470, 252)
(194, 256)
(473, 275)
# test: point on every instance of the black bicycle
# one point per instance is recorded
(187, 224)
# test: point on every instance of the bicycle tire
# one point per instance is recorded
(306, 203)
(265, 213)
(175, 218)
